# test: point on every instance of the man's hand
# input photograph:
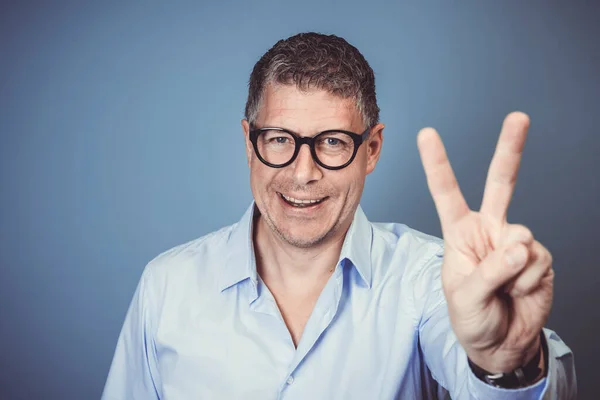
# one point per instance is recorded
(498, 280)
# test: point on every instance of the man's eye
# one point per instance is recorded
(280, 140)
(332, 141)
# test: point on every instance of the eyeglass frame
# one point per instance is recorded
(310, 141)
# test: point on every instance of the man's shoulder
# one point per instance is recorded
(199, 253)
(413, 255)
(403, 238)
(401, 250)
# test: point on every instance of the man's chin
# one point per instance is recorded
(303, 242)
(303, 239)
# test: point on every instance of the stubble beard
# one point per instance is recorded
(295, 241)
(301, 243)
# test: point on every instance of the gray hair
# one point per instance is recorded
(316, 61)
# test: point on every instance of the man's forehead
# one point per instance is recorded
(300, 109)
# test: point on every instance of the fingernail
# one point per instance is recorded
(516, 257)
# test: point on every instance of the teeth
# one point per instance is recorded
(298, 201)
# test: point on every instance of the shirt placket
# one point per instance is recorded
(318, 322)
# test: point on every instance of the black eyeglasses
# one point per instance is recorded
(332, 149)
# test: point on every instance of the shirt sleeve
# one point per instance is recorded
(134, 370)
(447, 360)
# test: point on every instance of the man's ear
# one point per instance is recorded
(374, 144)
(246, 130)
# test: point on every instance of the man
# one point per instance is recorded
(304, 298)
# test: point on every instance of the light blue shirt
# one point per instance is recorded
(202, 325)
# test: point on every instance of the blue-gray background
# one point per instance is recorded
(121, 138)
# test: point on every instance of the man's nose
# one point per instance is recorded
(306, 169)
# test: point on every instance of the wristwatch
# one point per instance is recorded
(520, 377)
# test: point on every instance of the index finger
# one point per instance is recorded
(448, 199)
(502, 174)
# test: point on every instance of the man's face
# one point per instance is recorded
(337, 192)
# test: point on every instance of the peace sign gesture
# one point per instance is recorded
(497, 279)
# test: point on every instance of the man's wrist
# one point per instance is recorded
(527, 373)
(502, 361)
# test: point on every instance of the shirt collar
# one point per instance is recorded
(357, 245)
(240, 263)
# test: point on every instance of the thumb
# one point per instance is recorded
(496, 270)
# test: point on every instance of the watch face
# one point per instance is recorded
(493, 379)
(511, 380)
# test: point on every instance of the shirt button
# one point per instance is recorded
(290, 380)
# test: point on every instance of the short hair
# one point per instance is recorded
(315, 61)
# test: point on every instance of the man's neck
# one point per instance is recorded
(296, 270)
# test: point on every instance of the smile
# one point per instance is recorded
(301, 203)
